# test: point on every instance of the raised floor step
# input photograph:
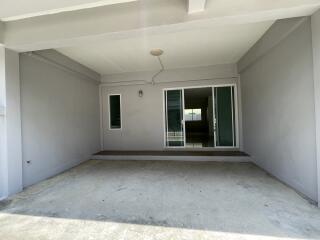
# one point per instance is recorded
(229, 156)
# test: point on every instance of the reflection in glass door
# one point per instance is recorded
(224, 110)
(174, 118)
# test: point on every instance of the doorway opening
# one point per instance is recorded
(201, 117)
(198, 117)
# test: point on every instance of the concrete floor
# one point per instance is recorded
(159, 200)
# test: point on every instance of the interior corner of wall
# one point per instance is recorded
(238, 68)
(315, 24)
(1, 33)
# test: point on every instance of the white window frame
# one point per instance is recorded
(110, 95)
(165, 117)
(212, 86)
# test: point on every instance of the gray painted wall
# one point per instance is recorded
(10, 124)
(13, 123)
(278, 106)
(3, 158)
(143, 118)
(315, 25)
(60, 117)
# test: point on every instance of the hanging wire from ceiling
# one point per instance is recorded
(158, 73)
(157, 53)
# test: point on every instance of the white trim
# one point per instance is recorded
(145, 82)
(214, 118)
(164, 107)
(217, 139)
(236, 112)
(101, 117)
(202, 86)
(236, 118)
(236, 146)
(232, 115)
(166, 118)
(109, 95)
(183, 120)
(165, 129)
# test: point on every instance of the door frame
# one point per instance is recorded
(165, 118)
(236, 117)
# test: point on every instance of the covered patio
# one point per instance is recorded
(160, 119)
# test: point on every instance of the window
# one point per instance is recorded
(192, 114)
(115, 111)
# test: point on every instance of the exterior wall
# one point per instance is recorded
(315, 24)
(143, 118)
(10, 124)
(278, 107)
(60, 116)
(13, 123)
(3, 164)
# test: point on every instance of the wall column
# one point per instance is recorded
(1, 33)
(10, 124)
(315, 24)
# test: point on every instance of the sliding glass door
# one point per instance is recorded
(216, 125)
(174, 118)
(225, 119)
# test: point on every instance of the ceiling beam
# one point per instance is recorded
(196, 6)
(11, 11)
(130, 20)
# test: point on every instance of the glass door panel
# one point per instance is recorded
(224, 116)
(174, 118)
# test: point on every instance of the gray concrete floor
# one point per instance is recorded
(159, 200)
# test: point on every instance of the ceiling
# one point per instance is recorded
(20, 9)
(13, 9)
(198, 47)
(116, 36)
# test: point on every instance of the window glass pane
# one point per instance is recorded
(197, 114)
(192, 114)
(174, 115)
(188, 114)
(224, 116)
(115, 111)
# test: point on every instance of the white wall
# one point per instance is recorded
(278, 105)
(3, 159)
(142, 118)
(10, 124)
(13, 122)
(60, 115)
(315, 25)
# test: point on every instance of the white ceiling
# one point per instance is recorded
(117, 39)
(19, 9)
(198, 47)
